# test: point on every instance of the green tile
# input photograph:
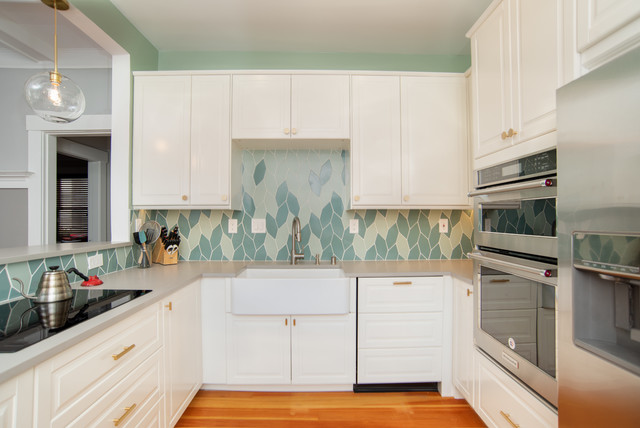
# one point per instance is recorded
(183, 226)
(248, 205)
(282, 215)
(314, 224)
(272, 226)
(403, 225)
(326, 215)
(392, 235)
(294, 206)
(259, 172)
(281, 194)
(205, 247)
(336, 203)
(325, 172)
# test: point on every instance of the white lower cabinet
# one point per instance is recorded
(463, 351)
(16, 401)
(182, 350)
(296, 349)
(400, 330)
(502, 402)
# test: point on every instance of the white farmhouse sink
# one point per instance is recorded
(290, 291)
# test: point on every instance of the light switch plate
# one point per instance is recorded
(232, 227)
(258, 225)
(353, 225)
(95, 261)
(444, 225)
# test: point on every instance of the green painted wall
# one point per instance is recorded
(311, 61)
(144, 56)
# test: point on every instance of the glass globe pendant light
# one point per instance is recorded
(52, 96)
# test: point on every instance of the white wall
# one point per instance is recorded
(95, 83)
(13, 218)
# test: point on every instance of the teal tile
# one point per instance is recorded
(325, 172)
(217, 254)
(414, 217)
(392, 254)
(349, 254)
(454, 217)
(283, 253)
(336, 245)
(194, 218)
(326, 237)
(414, 235)
(369, 218)
(216, 235)
(392, 236)
(436, 253)
(403, 225)
(336, 203)
(294, 206)
(205, 247)
(248, 205)
(282, 215)
(259, 239)
(5, 285)
(381, 246)
(196, 254)
(281, 193)
(414, 253)
(371, 254)
(314, 183)
(272, 226)
(314, 224)
(457, 252)
(259, 172)
(183, 226)
(53, 261)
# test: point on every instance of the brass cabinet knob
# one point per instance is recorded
(185, 197)
(511, 132)
(223, 197)
(286, 131)
(356, 198)
(406, 198)
(294, 131)
(504, 135)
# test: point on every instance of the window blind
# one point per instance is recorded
(73, 209)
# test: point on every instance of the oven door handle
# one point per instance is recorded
(545, 273)
(547, 182)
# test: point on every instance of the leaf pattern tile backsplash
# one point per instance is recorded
(312, 185)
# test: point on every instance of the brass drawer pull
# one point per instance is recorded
(294, 322)
(500, 280)
(508, 418)
(123, 353)
(169, 306)
(402, 283)
(127, 410)
(286, 321)
(469, 292)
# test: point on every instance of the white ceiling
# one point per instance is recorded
(26, 39)
(422, 27)
(427, 27)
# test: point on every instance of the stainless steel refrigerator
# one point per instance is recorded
(599, 247)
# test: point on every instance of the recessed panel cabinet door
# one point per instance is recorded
(210, 140)
(258, 349)
(16, 401)
(434, 141)
(261, 106)
(161, 140)
(463, 338)
(375, 145)
(319, 107)
(323, 349)
(490, 57)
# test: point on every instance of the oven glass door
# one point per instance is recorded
(519, 313)
(531, 217)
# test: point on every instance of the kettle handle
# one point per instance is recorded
(21, 290)
(77, 272)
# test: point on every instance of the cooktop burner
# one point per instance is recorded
(23, 322)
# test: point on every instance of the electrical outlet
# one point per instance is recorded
(353, 225)
(95, 261)
(258, 225)
(232, 226)
(444, 225)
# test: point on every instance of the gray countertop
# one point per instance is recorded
(164, 280)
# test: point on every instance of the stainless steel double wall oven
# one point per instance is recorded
(515, 268)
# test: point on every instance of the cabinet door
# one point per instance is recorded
(535, 67)
(319, 107)
(214, 331)
(400, 365)
(375, 144)
(323, 349)
(258, 349)
(463, 338)
(434, 141)
(16, 401)
(183, 350)
(161, 140)
(261, 106)
(210, 140)
(491, 82)
(606, 28)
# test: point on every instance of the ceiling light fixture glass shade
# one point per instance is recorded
(52, 96)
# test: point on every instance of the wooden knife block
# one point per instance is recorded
(160, 255)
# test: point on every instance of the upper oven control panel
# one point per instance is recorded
(516, 170)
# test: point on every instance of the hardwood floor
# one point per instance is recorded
(327, 409)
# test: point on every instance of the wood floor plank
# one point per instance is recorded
(327, 409)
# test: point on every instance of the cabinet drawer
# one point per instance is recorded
(399, 365)
(500, 400)
(377, 295)
(129, 401)
(74, 379)
(413, 330)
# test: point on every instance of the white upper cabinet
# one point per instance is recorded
(409, 144)
(434, 141)
(375, 145)
(181, 142)
(606, 29)
(514, 52)
(161, 140)
(290, 107)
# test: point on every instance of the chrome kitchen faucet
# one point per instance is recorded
(296, 236)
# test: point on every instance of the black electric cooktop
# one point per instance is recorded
(24, 323)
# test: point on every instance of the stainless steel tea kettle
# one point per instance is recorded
(53, 286)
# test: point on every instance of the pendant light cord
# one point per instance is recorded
(55, 37)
